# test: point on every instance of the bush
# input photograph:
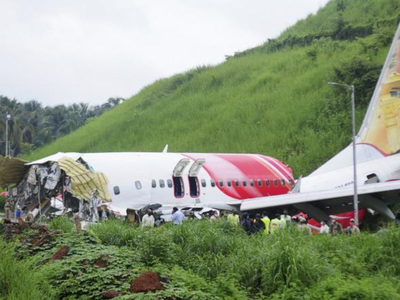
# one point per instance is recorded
(292, 259)
(61, 223)
(18, 280)
(2, 202)
(114, 232)
(155, 246)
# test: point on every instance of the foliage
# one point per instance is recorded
(2, 202)
(215, 260)
(60, 223)
(33, 125)
(18, 280)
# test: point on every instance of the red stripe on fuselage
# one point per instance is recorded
(242, 167)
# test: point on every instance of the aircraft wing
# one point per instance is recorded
(321, 204)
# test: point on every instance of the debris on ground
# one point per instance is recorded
(63, 251)
(111, 294)
(147, 282)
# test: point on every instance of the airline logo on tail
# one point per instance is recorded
(381, 126)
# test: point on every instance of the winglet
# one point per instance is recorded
(165, 149)
(296, 188)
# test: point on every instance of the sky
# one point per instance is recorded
(69, 51)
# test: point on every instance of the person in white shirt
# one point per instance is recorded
(148, 219)
(324, 229)
(177, 216)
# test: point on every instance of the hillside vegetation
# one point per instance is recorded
(272, 99)
(33, 125)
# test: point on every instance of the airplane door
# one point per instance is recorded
(179, 188)
(193, 179)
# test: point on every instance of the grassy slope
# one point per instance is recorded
(261, 101)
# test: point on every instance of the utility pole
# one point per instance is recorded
(8, 118)
(353, 119)
(6, 134)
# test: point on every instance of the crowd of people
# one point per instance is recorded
(261, 223)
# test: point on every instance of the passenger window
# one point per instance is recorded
(252, 182)
(267, 182)
(282, 182)
(244, 182)
(116, 190)
(221, 183)
(162, 183)
(153, 184)
(259, 182)
(203, 183)
(275, 182)
(229, 182)
(169, 183)
(138, 185)
(236, 182)
(212, 183)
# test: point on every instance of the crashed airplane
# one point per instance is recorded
(135, 180)
(225, 181)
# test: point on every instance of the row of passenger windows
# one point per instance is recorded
(221, 183)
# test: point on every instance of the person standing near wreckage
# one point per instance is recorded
(7, 209)
(94, 202)
(148, 219)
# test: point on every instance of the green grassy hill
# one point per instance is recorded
(272, 99)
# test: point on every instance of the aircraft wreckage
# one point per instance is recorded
(61, 186)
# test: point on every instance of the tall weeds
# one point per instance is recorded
(18, 280)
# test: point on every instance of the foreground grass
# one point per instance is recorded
(204, 260)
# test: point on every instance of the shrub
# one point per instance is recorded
(61, 223)
(292, 259)
(114, 232)
(18, 280)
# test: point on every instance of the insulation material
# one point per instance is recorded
(84, 181)
(12, 170)
(53, 177)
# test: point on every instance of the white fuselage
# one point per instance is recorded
(385, 168)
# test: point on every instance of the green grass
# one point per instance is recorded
(211, 260)
(261, 101)
(63, 224)
(17, 278)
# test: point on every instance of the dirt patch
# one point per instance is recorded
(23, 225)
(111, 294)
(102, 261)
(63, 251)
(146, 282)
(40, 239)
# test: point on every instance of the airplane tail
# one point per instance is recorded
(381, 125)
(379, 134)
